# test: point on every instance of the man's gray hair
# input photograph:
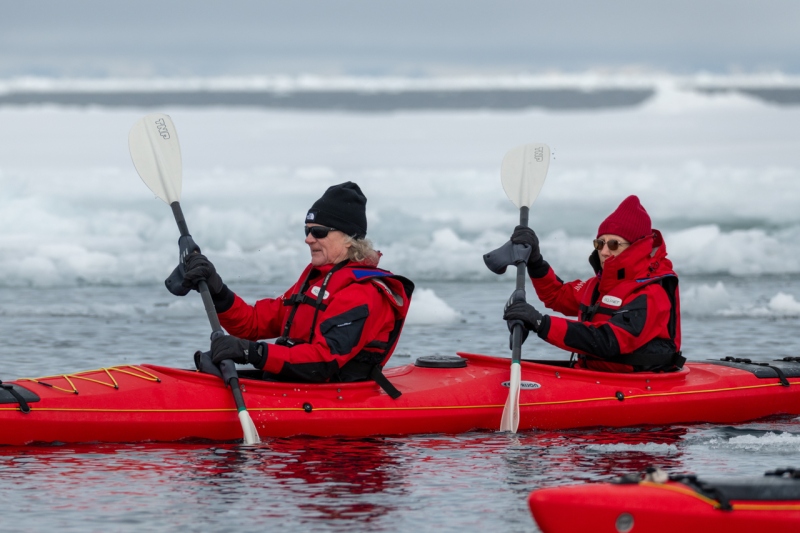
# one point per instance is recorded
(361, 251)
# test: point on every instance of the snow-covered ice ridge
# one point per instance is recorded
(589, 90)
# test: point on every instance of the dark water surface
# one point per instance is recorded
(364, 101)
(383, 101)
(470, 482)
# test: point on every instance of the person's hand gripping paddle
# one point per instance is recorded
(156, 154)
(522, 173)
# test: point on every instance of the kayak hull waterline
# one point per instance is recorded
(153, 403)
(759, 504)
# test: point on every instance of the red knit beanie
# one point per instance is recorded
(630, 221)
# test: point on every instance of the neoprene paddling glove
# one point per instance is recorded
(239, 351)
(537, 267)
(199, 268)
(527, 314)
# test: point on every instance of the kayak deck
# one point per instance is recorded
(155, 403)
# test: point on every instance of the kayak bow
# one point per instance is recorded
(679, 503)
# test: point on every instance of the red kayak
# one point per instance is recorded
(440, 394)
(681, 503)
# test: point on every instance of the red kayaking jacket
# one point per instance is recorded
(628, 315)
(336, 323)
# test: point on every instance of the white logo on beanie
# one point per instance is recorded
(310, 216)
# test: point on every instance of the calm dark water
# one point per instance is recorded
(471, 482)
(383, 101)
(364, 101)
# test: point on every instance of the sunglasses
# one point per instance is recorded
(613, 244)
(318, 232)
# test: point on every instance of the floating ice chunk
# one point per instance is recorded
(782, 442)
(705, 300)
(427, 308)
(784, 305)
(647, 447)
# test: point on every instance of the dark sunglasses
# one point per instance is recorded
(318, 232)
(613, 244)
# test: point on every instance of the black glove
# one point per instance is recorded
(523, 312)
(239, 351)
(525, 235)
(199, 268)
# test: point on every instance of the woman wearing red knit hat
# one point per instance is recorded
(628, 315)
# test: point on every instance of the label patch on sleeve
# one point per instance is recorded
(613, 301)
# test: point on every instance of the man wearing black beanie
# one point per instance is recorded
(342, 206)
(339, 322)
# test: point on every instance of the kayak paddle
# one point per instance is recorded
(523, 172)
(156, 154)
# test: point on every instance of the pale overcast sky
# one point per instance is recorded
(97, 38)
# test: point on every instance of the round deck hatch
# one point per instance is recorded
(441, 361)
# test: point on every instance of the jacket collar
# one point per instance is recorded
(644, 258)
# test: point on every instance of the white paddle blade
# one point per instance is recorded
(510, 420)
(523, 172)
(156, 154)
(248, 428)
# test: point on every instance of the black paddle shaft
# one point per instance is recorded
(519, 296)
(187, 246)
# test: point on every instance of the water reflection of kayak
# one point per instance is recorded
(672, 503)
(440, 394)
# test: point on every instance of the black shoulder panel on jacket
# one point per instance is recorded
(632, 317)
(342, 332)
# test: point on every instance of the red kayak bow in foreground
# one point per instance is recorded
(678, 503)
(440, 394)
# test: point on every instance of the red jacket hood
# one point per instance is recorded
(645, 258)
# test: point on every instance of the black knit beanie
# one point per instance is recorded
(342, 207)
